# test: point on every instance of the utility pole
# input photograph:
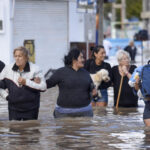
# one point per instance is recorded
(122, 7)
(123, 14)
(100, 23)
(113, 12)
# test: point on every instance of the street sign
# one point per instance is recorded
(86, 6)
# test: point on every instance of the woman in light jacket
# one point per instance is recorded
(23, 92)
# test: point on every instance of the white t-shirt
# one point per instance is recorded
(107, 46)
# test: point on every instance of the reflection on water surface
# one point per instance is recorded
(108, 129)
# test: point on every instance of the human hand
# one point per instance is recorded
(124, 69)
(21, 81)
(37, 80)
(94, 92)
(136, 86)
(137, 77)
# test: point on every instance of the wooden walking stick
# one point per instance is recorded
(120, 87)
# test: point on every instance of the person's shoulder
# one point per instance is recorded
(2, 63)
(57, 71)
(9, 67)
(62, 69)
(126, 47)
(133, 66)
(106, 64)
(89, 61)
(105, 41)
(34, 66)
(115, 67)
(84, 70)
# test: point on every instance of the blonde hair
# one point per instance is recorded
(121, 53)
(23, 50)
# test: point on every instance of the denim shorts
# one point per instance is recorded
(146, 114)
(104, 97)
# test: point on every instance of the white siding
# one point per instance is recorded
(45, 22)
(76, 24)
(5, 35)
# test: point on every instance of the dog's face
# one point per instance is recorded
(103, 75)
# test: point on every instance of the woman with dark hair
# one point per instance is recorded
(95, 64)
(75, 85)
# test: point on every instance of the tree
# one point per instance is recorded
(133, 8)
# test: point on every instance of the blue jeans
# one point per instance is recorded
(73, 112)
(104, 97)
(146, 114)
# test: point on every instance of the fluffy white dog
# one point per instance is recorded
(98, 77)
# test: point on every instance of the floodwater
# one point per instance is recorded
(107, 130)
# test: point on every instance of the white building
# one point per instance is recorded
(50, 25)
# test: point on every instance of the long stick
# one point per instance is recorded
(118, 98)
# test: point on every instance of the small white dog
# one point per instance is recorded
(98, 77)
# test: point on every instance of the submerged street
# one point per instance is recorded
(108, 129)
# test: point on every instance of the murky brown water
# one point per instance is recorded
(108, 129)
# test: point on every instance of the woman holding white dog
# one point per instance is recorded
(75, 85)
(96, 64)
(123, 70)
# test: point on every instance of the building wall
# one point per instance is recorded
(45, 22)
(52, 24)
(76, 24)
(82, 25)
(5, 36)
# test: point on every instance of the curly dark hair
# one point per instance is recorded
(73, 54)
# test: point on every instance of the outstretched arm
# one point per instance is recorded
(3, 93)
(41, 86)
(54, 79)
